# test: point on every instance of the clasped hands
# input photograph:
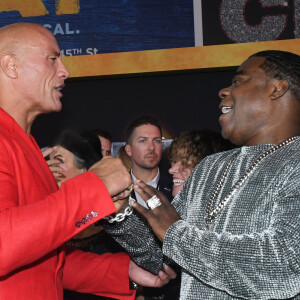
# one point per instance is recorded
(118, 181)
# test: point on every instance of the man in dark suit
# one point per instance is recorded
(144, 146)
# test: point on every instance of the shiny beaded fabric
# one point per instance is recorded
(253, 249)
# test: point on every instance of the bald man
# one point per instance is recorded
(37, 218)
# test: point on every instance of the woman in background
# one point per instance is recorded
(188, 149)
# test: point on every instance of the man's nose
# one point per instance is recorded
(63, 71)
(224, 93)
(151, 145)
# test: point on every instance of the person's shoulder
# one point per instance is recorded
(219, 156)
(290, 155)
(296, 144)
(291, 151)
(212, 162)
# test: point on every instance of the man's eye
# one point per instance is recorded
(53, 58)
(236, 81)
(157, 141)
(141, 141)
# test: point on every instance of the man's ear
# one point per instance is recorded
(280, 87)
(8, 65)
(128, 149)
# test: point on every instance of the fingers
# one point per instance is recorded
(54, 164)
(121, 205)
(113, 174)
(57, 172)
(166, 275)
(170, 272)
(56, 168)
(122, 195)
(145, 278)
(140, 208)
(49, 151)
(164, 278)
(161, 214)
(144, 190)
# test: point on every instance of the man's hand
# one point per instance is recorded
(53, 163)
(120, 203)
(114, 175)
(160, 218)
(145, 278)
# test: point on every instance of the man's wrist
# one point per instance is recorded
(119, 217)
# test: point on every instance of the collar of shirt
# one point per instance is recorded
(153, 183)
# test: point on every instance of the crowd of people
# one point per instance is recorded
(222, 223)
(76, 150)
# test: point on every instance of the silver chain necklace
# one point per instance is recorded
(211, 212)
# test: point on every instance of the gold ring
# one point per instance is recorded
(130, 188)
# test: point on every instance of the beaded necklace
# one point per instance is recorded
(213, 212)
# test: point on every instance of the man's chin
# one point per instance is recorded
(225, 133)
(232, 138)
(52, 110)
(56, 107)
(150, 166)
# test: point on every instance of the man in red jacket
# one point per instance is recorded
(37, 218)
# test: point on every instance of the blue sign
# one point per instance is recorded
(98, 26)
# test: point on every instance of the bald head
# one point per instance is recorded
(16, 37)
(32, 73)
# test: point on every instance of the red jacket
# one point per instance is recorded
(37, 219)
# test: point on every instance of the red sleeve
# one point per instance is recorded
(81, 273)
(30, 231)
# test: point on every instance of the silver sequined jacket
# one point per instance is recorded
(253, 251)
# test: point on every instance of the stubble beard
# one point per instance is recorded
(147, 165)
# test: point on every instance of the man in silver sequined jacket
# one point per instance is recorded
(235, 229)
